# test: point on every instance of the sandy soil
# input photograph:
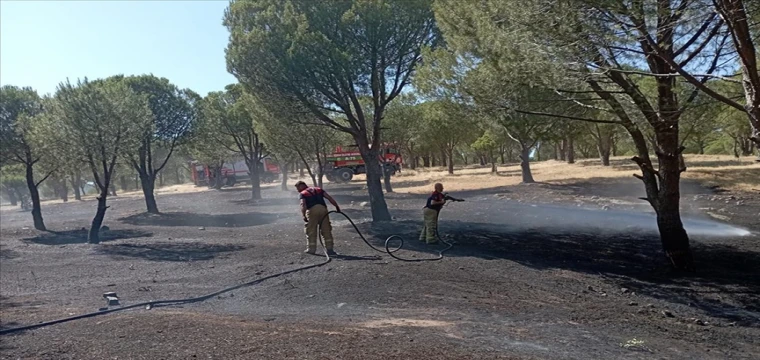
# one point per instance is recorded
(569, 270)
(709, 170)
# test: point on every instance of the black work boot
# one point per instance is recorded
(331, 252)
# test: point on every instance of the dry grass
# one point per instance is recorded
(725, 171)
(173, 189)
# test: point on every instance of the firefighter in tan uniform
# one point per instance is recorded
(314, 209)
(430, 214)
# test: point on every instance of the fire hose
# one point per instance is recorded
(156, 303)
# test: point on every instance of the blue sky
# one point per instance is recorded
(44, 42)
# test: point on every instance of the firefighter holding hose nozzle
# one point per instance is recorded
(313, 210)
(434, 204)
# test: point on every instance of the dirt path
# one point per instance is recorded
(539, 271)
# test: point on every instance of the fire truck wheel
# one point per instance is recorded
(344, 175)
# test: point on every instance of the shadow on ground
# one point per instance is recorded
(6, 304)
(727, 284)
(8, 254)
(168, 251)
(80, 236)
(268, 201)
(195, 219)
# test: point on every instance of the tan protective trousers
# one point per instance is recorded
(430, 227)
(313, 215)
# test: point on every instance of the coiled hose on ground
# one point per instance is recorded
(151, 304)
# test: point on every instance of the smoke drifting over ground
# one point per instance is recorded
(521, 216)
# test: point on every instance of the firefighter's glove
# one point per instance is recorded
(337, 209)
(305, 219)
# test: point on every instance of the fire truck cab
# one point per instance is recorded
(343, 164)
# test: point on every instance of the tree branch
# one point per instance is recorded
(568, 117)
(44, 178)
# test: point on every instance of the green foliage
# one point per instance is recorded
(228, 122)
(292, 137)
(447, 124)
(174, 116)
(486, 143)
(327, 55)
(17, 107)
(404, 126)
(12, 182)
(99, 121)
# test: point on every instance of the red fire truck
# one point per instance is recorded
(232, 173)
(343, 164)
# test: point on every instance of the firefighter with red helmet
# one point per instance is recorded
(433, 206)
(430, 214)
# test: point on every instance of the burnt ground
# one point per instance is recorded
(537, 271)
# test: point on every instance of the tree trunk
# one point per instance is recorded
(432, 161)
(177, 180)
(605, 158)
(137, 181)
(76, 183)
(426, 161)
(148, 185)
(218, 183)
(255, 182)
(450, 158)
(12, 197)
(64, 190)
(570, 151)
(736, 148)
(502, 155)
(527, 176)
(300, 171)
(443, 158)
(674, 239)
(320, 176)
(556, 151)
(563, 150)
(376, 197)
(284, 183)
(493, 163)
(94, 236)
(34, 193)
(747, 146)
(161, 179)
(77, 194)
(603, 145)
(123, 183)
(113, 190)
(305, 164)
